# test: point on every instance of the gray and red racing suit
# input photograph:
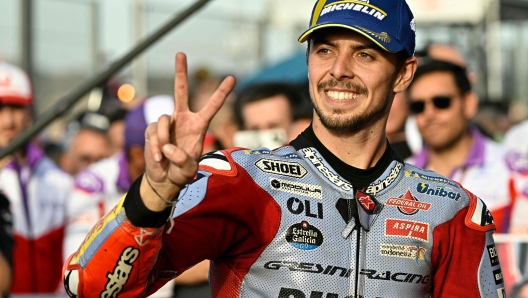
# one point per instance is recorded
(287, 223)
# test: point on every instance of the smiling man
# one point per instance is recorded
(334, 214)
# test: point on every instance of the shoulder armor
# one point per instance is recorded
(219, 162)
(478, 217)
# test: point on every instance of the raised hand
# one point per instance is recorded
(174, 143)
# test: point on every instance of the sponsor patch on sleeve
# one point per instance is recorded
(493, 256)
(118, 278)
(497, 275)
(218, 162)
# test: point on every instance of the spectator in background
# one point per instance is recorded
(37, 190)
(265, 107)
(442, 101)
(6, 246)
(87, 146)
(441, 52)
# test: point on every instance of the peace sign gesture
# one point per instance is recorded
(174, 143)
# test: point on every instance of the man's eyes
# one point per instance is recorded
(365, 55)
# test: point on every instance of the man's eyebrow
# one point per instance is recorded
(319, 41)
(365, 46)
(368, 46)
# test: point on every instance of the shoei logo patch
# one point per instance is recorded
(408, 204)
(118, 278)
(355, 5)
(406, 228)
(304, 236)
(284, 168)
(312, 191)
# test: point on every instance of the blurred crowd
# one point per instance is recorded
(54, 190)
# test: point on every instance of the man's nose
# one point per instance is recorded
(342, 67)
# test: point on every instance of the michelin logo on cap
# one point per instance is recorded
(358, 5)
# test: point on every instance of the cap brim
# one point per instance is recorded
(393, 46)
(15, 100)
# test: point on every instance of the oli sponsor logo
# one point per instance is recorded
(412, 252)
(312, 191)
(407, 228)
(304, 236)
(439, 191)
(296, 206)
(290, 169)
(118, 278)
(408, 204)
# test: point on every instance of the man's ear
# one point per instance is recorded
(470, 104)
(405, 75)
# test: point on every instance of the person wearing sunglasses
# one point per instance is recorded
(441, 99)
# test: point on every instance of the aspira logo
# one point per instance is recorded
(439, 191)
(312, 191)
(318, 163)
(118, 278)
(355, 5)
(290, 169)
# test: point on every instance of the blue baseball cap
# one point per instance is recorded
(388, 23)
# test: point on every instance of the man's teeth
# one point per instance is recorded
(336, 95)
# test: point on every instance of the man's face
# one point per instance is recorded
(13, 120)
(268, 113)
(87, 147)
(439, 127)
(352, 80)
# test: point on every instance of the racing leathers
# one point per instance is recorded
(37, 192)
(295, 223)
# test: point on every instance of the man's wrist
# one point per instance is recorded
(138, 213)
(156, 196)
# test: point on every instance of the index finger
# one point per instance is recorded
(181, 84)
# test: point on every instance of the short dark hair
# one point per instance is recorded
(431, 66)
(261, 91)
